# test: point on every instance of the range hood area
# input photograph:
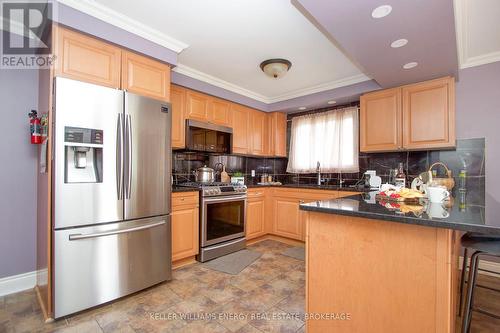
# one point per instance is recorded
(207, 137)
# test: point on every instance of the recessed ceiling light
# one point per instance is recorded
(381, 11)
(331, 102)
(302, 108)
(399, 43)
(410, 65)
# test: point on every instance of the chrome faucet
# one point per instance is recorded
(341, 181)
(318, 170)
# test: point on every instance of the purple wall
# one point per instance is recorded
(18, 95)
(478, 116)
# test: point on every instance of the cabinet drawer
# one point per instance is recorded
(184, 199)
(256, 193)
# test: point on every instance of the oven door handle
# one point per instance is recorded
(224, 199)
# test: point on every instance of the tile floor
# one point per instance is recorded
(272, 287)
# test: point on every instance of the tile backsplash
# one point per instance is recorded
(469, 154)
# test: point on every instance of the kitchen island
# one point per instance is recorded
(371, 268)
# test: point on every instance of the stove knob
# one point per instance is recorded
(213, 191)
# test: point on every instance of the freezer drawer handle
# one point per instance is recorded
(115, 232)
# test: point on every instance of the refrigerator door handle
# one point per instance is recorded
(115, 232)
(119, 156)
(128, 138)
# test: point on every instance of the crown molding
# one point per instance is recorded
(198, 75)
(195, 74)
(124, 22)
(320, 88)
(462, 35)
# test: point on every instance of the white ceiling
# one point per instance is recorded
(228, 39)
(478, 31)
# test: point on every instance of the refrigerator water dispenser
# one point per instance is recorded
(83, 155)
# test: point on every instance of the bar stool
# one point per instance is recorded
(482, 245)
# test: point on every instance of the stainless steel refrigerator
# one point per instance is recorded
(111, 194)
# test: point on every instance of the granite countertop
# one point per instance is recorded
(176, 189)
(454, 215)
(303, 186)
(313, 187)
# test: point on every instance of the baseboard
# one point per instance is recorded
(275, 238)
(17, 283)
(485, 267)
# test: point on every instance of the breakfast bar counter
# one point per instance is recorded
(385, 266)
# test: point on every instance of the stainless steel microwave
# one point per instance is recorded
(201, 136)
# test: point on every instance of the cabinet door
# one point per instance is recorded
(220, 112)
(255, 218)
(277, 134)
(197, 106)
(429, 114)
(287, 218)
(184, 232)
(381, 121)
(146, 77)
(178, 100)
(258, 134)
(240, 123)
(84, 58)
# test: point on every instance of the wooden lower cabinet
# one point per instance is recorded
(287, 218)
(256, 214)
(382, 276)
(185, 225)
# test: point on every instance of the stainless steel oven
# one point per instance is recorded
(222, 219)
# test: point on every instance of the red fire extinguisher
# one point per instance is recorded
(35, 128)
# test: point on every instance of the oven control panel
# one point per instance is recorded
(209, 191)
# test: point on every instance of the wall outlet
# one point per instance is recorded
(253, 173)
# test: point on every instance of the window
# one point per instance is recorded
(329, 137)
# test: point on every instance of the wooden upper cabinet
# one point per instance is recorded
(220, 112)
(429, 114)
(84, 58)
(197, 106)
(381, 121)
(240, 118)
(178, 101)
(418, 116)
(277, 134)
(144, 76)
(258, 133)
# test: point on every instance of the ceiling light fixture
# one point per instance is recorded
(381, 11)
(275, 68)
(399, 43)
(302, 108)
(331, 102)
(410, 65)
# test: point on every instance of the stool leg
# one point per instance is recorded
(469, 301)
(462, 282)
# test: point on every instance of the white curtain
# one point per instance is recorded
(330, 138)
